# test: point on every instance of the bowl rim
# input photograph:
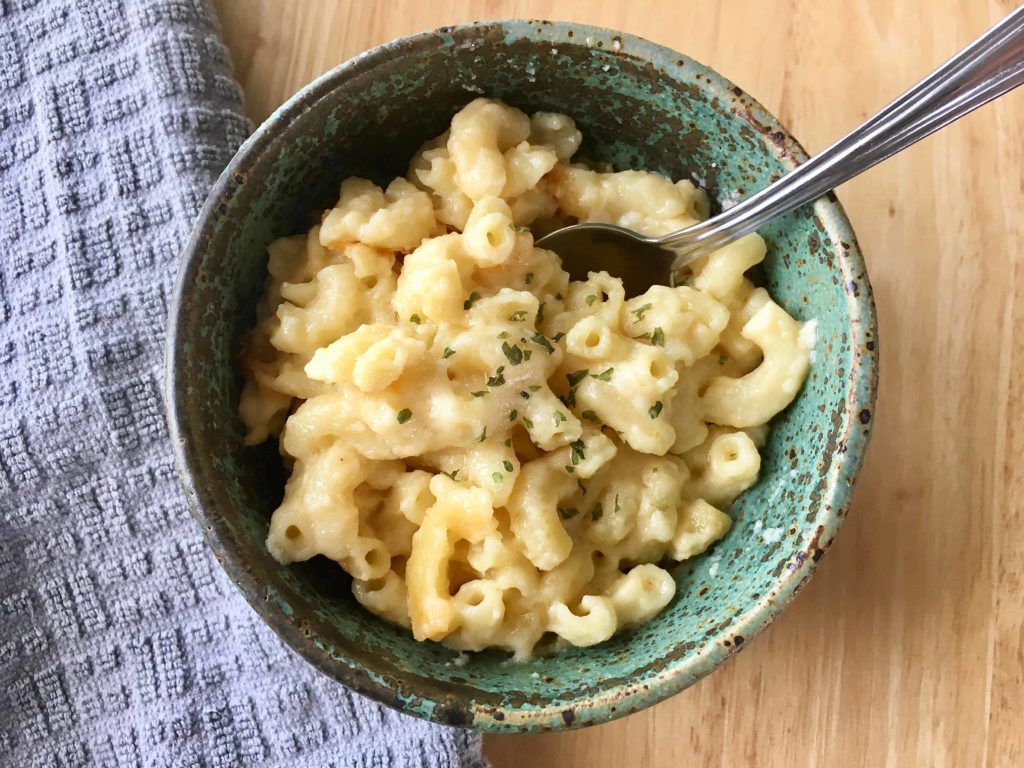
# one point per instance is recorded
(625, 697)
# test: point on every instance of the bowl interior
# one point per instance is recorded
(638, 106)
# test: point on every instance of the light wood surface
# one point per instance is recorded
(906, 648)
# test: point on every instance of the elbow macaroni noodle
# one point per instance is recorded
(492, 451)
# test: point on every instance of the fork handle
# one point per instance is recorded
(989, 67)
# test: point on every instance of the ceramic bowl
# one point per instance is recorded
(641, 106)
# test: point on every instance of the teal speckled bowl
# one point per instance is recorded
(639, 106)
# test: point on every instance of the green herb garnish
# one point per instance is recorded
(483, 436)
(507, 465)
(404, 415)
(516, 317)
(639, 312)
(655, 410)
(497, 477)
(604, 375)
(528, 423)
(529, 278)
(559, 418)
(597, 512)
(591, 299)
(570, 512)
(481, 393)
(448, 352)
(658, 337)
(576, 377)
(541, 340)
(498, 378)
(590, 416)
(514, 415)
(512, 352)
(577, 452)
(415, 319)
(474, 297)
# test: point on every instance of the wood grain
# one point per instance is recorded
(906, 648)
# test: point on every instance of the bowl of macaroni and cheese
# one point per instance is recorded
(455, 478)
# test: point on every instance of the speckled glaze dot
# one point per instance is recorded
(639, 106)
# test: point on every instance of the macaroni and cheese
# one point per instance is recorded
(495, 453)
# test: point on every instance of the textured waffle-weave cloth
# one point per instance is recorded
(121, 642)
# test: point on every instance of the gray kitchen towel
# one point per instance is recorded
(121, 642)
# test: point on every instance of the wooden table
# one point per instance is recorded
(906, 648)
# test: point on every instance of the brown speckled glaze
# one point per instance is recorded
(639, 106)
